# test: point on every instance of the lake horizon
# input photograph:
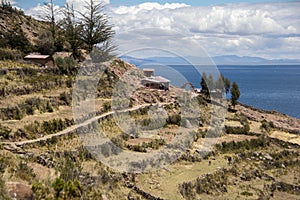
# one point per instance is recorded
(268, 87)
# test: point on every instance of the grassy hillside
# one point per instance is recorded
(18, 31)
(43, 157)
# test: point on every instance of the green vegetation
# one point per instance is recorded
(66, 66)
(96, 28)
(9, 54)
(46, 43)
(227, 85)
(235, 93)
(154, 144)
(36, 128)
(267, 126)
(239, 130)
(246, 162)
(243, 145)
(74, 33)
(217, 87)
(3, 192)
(203, 83)
(29, 107)
(4, 132)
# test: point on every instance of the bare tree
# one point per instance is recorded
(72, 29)
(49, 15)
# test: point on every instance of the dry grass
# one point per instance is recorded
(14, 100)
(236, 138)
(42, 172)
(165, 183)
(255, 127)
(63, 112)
(233, 123)
(284, 136)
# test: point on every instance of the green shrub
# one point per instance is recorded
(243, 145)
(66, 97)
(46, 127)
(58, 185)
(9, 54)
(73, 188)
(246, 193)
(71, 65)
(174, 119)
(3, 192)
(106, 106)
(24, 172)
(27, 108)
(66, 66)
(61, 64)
(4, 132)
(239, 130)
(267, 126)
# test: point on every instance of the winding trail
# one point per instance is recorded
(75, 127)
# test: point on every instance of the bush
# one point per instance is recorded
(58, 186)
(73, 188)
(4, 132)
(66, 66)
(27, 108)
(267, 126)
(24, 172)
(71, 65)
(47, 127)
(106, 106)
(243, 145)
(61, 64)
(46, 43)
(9, 54)
(239, 130)
(66, 98)
(3, 192)
(174, 119)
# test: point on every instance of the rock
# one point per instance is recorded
(268, 157)
(19, 191)
(104, 197)
(13, 148)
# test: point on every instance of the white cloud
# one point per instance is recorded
(133, 10)
(41, 11)
(242, 29)
(271, 30)
(79, 4)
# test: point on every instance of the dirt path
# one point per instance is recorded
(74, 127)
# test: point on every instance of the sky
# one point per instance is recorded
(268, 29)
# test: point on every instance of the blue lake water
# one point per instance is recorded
(267, 87)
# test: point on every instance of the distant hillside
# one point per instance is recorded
(218, 60)
(17, 30)
(248, 60)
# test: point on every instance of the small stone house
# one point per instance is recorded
(156, 82)
(44, 60)
(148, 72)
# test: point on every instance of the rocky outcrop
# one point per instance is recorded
(19, 191)
(279, 120)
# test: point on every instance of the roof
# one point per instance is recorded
(157, 79)
(33, 56)
(148, 70)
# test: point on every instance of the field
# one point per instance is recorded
(43, 156)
